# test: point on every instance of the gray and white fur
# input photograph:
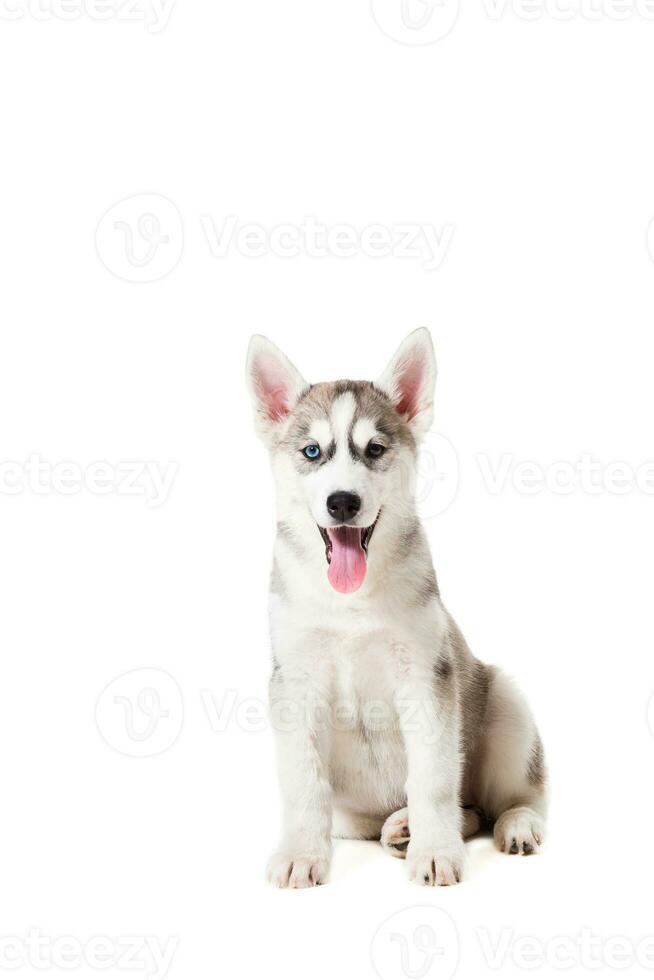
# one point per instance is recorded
(387, 727)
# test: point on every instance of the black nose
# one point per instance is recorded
(343, 506)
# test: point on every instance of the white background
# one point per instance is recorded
(531, 139)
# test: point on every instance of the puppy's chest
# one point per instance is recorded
(367, 758)
(366, 668)
(357, 653)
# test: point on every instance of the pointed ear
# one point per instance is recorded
(410, 378)
(274, 384)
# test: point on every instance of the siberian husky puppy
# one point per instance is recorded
(386, 725)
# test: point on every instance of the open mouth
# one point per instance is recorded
(346, 550)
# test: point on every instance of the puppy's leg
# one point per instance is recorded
(428, 715)
(355, 826)
(301, 732)
(473, 821)
(513, 787)
(396, 833)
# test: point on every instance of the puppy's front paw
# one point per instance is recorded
(286, 870)
(438, 865)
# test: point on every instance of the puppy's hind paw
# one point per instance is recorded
(395, 833)
(296, 870)
(519, 831)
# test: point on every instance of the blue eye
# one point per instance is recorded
(311, 452)
(375, 450)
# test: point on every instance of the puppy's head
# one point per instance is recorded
(344, 451)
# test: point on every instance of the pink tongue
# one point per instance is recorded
(347, 569)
